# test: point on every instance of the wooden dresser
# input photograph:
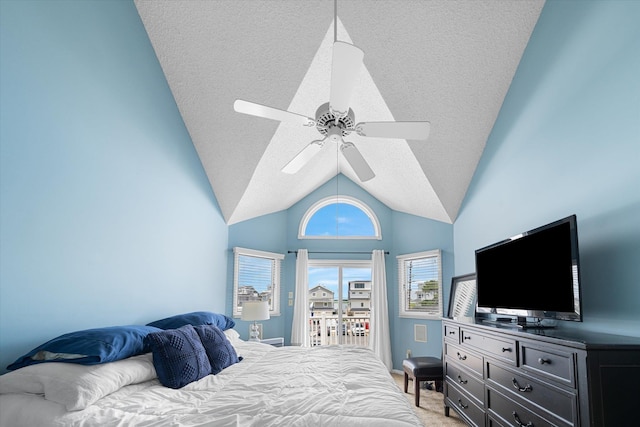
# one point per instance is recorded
(499, 376)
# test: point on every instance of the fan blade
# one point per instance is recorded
(357, 162)
(253, 109)
(401, 130)
(304, 156)
(345, 69)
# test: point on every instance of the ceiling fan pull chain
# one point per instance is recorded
(335, 21)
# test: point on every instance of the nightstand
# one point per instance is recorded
(276, 342)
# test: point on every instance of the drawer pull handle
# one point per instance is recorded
(462, 405)
(467, 338)
(520, 423)
(461, 357)
(505, 349)
(461, 381)
(522, 389)
(543, 361)
(452, 332)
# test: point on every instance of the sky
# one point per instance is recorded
(340, 219)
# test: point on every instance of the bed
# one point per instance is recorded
(266, 386)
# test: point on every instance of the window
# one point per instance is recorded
(420, 284)
(256, 277)
(339, 217)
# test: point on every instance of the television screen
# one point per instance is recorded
(533, 274)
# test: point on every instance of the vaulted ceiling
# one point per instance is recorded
(444, 61)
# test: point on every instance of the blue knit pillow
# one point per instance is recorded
(178, 356)
(219, 350)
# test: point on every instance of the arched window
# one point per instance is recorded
(340, 217)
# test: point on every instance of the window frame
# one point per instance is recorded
(402, 289)
(276, 274)
(304, 222)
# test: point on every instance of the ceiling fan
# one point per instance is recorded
(335, 120)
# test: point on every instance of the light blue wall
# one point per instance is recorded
(106, 215)
(567, 141)
(415, 234)
(401, 234)
(265, 233)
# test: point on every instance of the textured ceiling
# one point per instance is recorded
(443, 61)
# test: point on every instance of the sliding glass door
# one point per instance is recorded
(339, 302)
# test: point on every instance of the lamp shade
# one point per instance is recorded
(255, 310)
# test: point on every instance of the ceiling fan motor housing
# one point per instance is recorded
(326, 119)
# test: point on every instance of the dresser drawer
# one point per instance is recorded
(464, 405)
(504, 349)
(464, 357)
(550, 363)
(493, 422)
(465, 380)
(556, 401)
(510, 413)
(452, 333)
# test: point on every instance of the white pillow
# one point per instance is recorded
(78, 386)
(232, 335)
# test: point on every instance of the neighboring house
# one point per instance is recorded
(247, 293)
(321, 299)
(422, 295)
(360, 297)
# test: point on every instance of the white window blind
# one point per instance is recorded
(420, 284)
(256, 278)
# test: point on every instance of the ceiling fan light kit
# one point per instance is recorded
(335, 119)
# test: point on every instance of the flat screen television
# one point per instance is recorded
(535, 274)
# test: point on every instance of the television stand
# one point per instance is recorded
(504, 376)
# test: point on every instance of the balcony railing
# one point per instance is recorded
(325, 329)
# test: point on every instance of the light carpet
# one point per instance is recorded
(431, 409)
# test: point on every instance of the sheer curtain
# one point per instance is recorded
(380, 339)
(300, 326)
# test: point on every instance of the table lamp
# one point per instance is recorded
(253, 311)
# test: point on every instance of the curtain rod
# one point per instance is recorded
(336, 252)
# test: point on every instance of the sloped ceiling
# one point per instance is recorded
(443, 61)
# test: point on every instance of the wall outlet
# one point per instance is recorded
(408, 353)
(290, 296)
(290, 302)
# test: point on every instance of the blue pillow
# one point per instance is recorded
(196, 318)
(90, 346)
(178, 356)
(219, 350)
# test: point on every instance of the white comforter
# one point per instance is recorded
(286, 386)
